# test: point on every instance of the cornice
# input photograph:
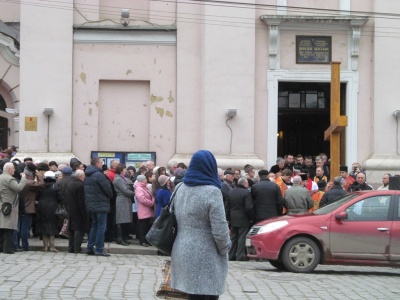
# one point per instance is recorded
(8, 50)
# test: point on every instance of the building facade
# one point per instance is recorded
(163, 78)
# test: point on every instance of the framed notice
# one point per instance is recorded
(313, 49)
(30, 123)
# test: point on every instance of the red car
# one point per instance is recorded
(358, 229)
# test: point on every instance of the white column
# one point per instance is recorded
(46, 76)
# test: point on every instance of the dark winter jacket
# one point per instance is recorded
(76, 208)
(46, 211)
(98, 191)
(240, 207)
(267, 199)
(332, 195)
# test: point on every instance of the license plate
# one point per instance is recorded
(248, 243)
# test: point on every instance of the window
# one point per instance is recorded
(370, 209)
(302, 99)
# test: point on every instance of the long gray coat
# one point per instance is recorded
(199, 260)
(124, 201)
(9, 188)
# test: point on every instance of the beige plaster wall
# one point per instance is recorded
(129, 64)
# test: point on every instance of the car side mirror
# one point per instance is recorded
(341, 216)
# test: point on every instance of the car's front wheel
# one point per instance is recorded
(278, 264)
(301, 255)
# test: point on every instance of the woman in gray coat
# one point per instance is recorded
(199, 259)
(125, 195)
(9, 189)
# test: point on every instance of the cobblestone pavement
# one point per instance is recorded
(37, 275)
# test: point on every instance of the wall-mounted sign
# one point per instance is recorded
(30, 123)
(313, 49)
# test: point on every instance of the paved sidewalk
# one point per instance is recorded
(38, 275)
(62, 245)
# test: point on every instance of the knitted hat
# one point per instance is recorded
(163, 179)
(30, 169)
(67, 170)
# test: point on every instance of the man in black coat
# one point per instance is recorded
(334, 193)
(267, 198)
(360, 184)
(76, 208)
(240, 215)
(98, 193)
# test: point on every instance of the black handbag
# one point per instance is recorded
(163, 232)
(61, 211)
(7, 207)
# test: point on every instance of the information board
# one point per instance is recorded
(313, 49)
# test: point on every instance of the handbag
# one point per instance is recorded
(7, 207)
(165, 291)
(163, 232)
(61, 211)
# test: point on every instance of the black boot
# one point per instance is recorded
(120, 241)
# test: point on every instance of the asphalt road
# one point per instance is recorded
(37, 275)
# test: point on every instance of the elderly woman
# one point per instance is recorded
(46, 212)
(199, 259)
(125, 197)
(9, 189)
(145, 203)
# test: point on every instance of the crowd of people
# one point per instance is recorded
(112, 203)
(295, 185)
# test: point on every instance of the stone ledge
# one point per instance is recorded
(225, 160)
(378, 164)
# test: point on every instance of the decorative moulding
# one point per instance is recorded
(8, 50)
(344, 22)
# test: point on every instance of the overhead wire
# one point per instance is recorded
(205, 19)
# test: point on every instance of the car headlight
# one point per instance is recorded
(272, 226)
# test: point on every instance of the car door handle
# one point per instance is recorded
(382, 229)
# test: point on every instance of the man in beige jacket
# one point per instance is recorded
(9, 189)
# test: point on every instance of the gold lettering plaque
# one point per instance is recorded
(30, 123)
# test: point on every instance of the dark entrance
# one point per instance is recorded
(303, 117)
(4, 130)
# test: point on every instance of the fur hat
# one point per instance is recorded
(42, 167)
(49, 174)
(163, 179)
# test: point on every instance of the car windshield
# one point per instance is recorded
(331, 207)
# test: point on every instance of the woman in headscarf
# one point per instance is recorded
(199, 259)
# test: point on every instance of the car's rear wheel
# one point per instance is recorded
(301, 255)
(278, 264)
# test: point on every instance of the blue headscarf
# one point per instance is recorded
(202, 170)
